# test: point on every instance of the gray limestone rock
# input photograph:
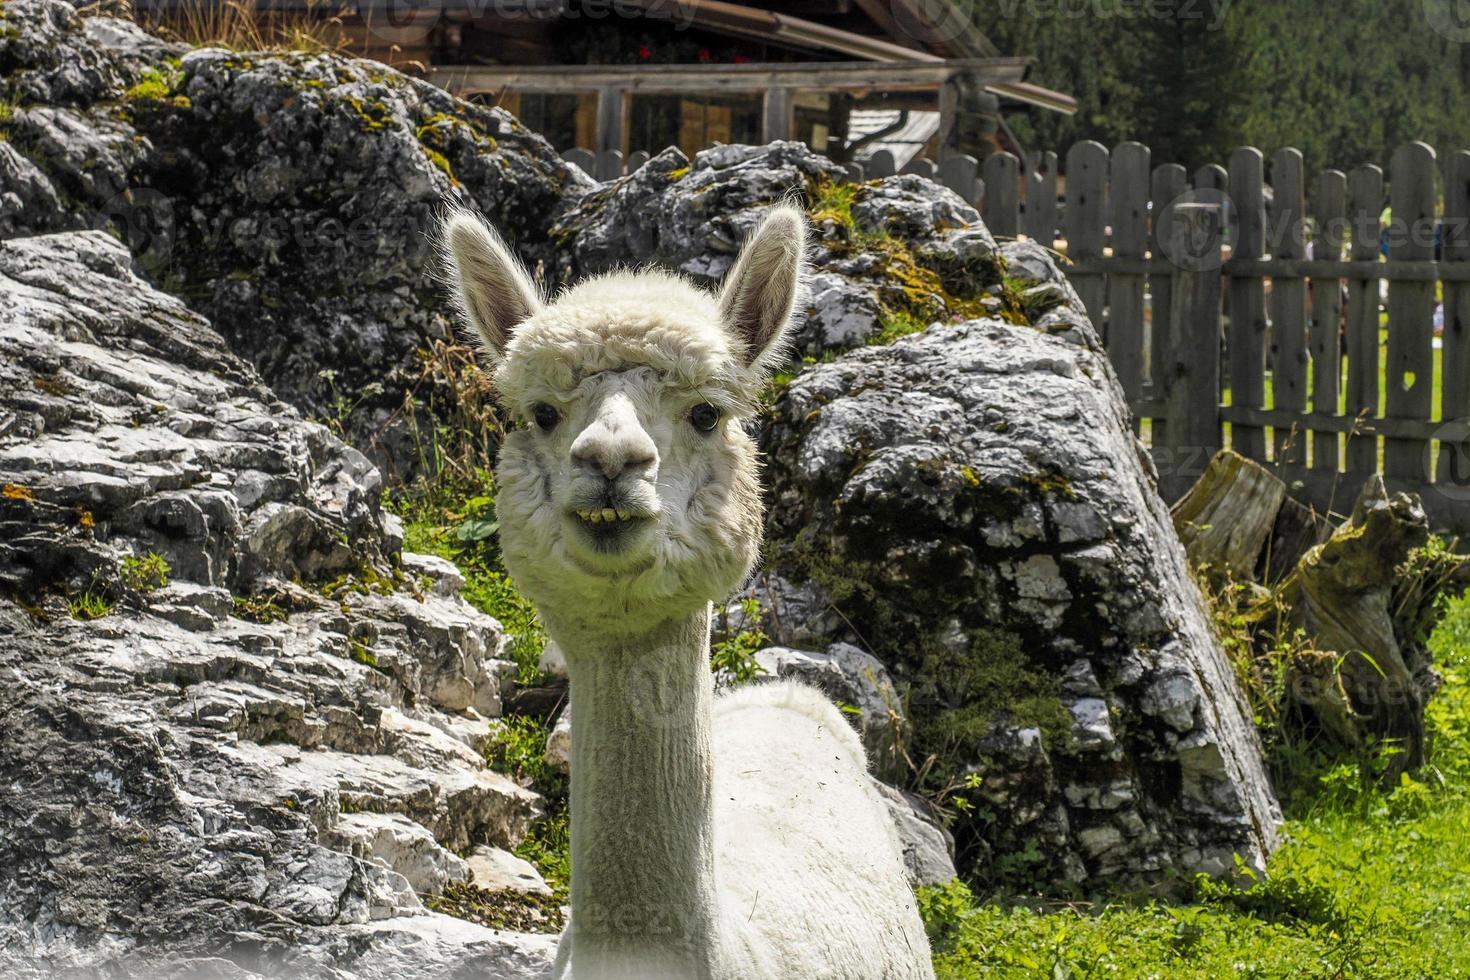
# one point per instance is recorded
(294, 199)
(928, 849)
(973, 502)
(246, 767)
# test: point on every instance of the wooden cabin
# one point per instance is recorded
(847, 77)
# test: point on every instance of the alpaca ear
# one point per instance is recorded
(495, 293)
(760, 292)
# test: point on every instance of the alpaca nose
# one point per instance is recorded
(615, 443)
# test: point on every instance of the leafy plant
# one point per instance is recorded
(464, 531)
(89, 605)
(893, 324)
(733, 654)
(145, 573)
(155, 84)
(362, 653)
(517, 748)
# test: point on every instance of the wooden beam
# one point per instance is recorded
(832, 76)
(777, 118)
(949, 112)
(611, 118)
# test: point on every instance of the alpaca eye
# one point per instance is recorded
(704, 417)
(546, 416)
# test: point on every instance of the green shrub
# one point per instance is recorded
(464, 530)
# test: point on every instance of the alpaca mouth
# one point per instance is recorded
(605, 515)
(610, 528)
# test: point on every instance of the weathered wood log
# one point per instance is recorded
(1340, 594)
(1346, 606)
(1238, 520)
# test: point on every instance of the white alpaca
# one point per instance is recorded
(731, 838)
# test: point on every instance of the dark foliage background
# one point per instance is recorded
(1345, 82)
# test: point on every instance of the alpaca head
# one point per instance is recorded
(628, 492)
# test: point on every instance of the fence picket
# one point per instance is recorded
(1128, 188)
(1001, 174)
(1167, 186)
(1454, 453)
(1329, 213)
(1041, 201)
(1189, 374)
(957, 172)
(1365, 186)
(1247, 337)
(609, 165)
(1410, 369)
(585, 159)
(922, 166)
(1087, 173)
(1288, 331)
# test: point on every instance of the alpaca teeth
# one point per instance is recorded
(623, 515)
(608, 514)
(594, 516)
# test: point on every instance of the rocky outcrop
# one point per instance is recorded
(973, 504)
(900, 247)
(241, 731)
(292, 199)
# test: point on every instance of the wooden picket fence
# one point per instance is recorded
(1247, 314)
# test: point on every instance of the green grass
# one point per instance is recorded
(1367, 885)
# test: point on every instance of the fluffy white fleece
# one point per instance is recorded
(805, 847)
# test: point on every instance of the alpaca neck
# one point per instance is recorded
(643, 889)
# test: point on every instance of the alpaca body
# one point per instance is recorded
(806, 852)
(731, 838)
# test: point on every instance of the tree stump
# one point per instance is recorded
(1351, 595)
